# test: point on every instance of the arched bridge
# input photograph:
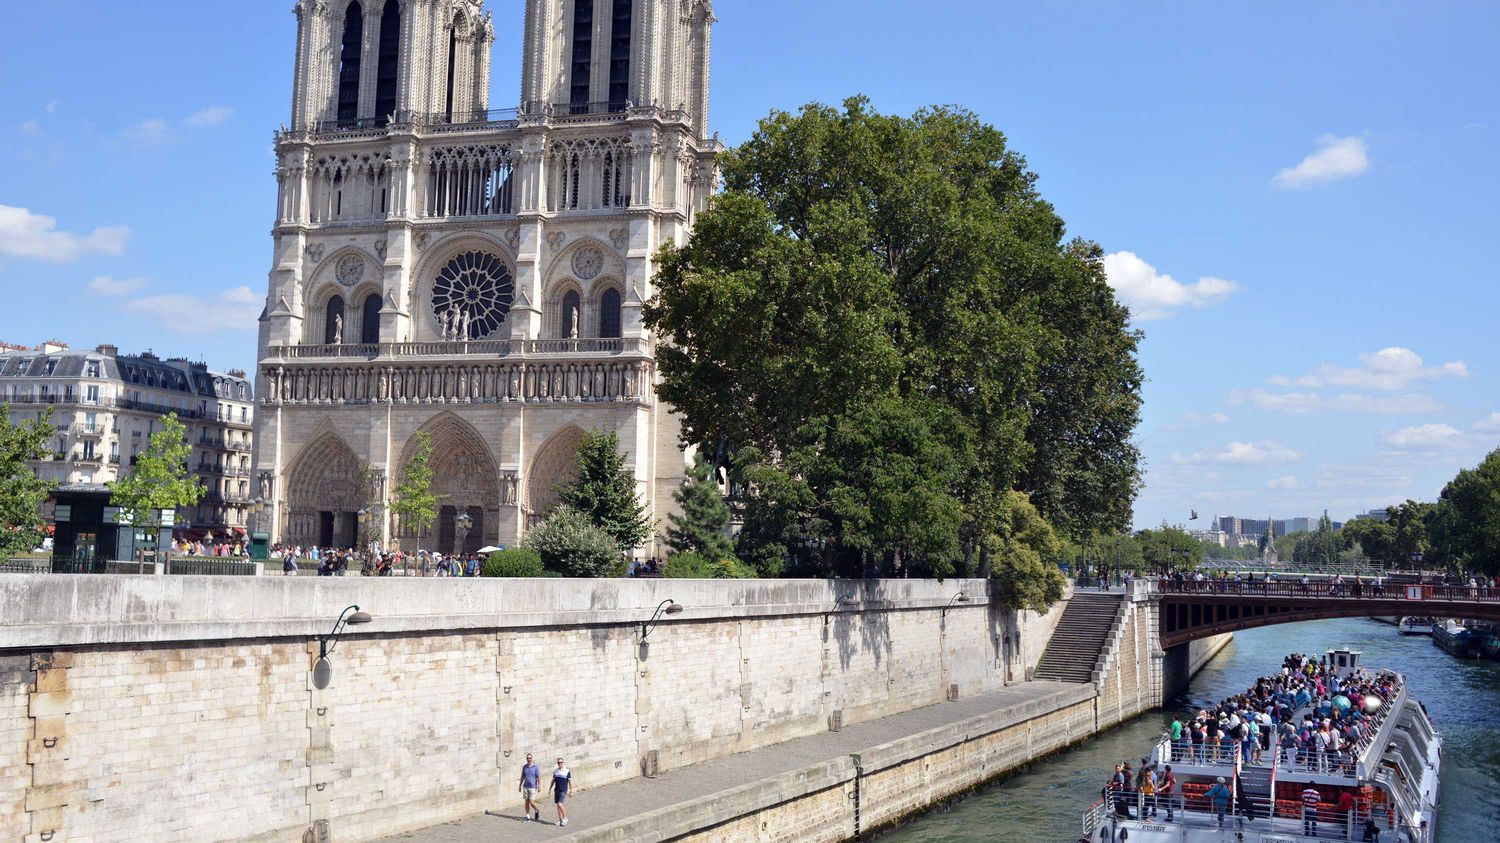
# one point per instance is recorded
(1191, 610)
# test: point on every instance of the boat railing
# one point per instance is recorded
(1291, 818)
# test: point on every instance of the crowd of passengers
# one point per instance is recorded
(1314, 718)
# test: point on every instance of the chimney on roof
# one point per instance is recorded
(52, 347)
(10, 346)
(236, 373)
(108, 350)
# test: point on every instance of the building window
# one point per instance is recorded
(567, 318)
(93, 394)
(609, 313)
(389, 61)
(333, 323)
(354, 28)
(369, 323)
(583, 55)
(619, 55)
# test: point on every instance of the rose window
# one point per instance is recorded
(471, 296)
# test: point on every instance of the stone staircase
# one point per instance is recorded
(1075, 647)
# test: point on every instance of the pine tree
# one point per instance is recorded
(605, 490)
(160, 479)
(21, 491)
(413, 499)
(702, 527)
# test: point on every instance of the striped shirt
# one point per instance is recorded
(1310, 798)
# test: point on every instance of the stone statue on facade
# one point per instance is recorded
(445, 322)
(463, 326)
(338, 329)
(573, 323)
(265, 485)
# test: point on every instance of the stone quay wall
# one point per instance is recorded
(183, 708)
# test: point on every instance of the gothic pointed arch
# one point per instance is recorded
(388, 61)
(466, 480)
(351, 47)
(324, 489)
(554, 466)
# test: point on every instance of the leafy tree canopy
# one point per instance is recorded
(160, 478)
(1466, 520)
(21, 491)
(1022, 548)
(866, 281)
(1169, 548)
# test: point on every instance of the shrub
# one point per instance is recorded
(687, 566)
(568, 542)
(695, 566)
(515, 562)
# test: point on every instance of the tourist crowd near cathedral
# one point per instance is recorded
(474, 274)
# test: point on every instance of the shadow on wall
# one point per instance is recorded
(864, 598)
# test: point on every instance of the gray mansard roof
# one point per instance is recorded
(147, 371)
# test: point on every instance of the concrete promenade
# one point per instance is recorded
(621, 811)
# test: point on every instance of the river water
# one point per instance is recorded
(1044, 802)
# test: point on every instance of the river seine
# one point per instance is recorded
(1044, 802)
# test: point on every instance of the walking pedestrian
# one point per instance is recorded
(530, 781)
(562, 782)
(1166, 789)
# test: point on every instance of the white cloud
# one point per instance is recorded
(51, 107)
(1489, 424)
(1215, 418)
(1243, 453)
(1406, 404)
(27, 235)
(31, 127)
(1424, 436)
(1287, 482)
(213, 115)
(236, 309)
(151, 132)
(1337, 158)
(1387, 370)
(1153, 295)
(104, 285)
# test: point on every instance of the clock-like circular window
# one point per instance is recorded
(472, 295)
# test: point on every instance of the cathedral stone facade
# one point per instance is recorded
(473, 274)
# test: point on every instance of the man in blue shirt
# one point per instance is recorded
(530, 782)
(562, 781)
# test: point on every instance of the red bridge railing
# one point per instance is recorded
(1326, 590)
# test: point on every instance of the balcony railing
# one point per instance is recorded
(495, 348)
(107, 403)
(490, 118)
(87, 429)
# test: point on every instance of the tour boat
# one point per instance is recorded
(1455, 638)
(1392, 779)
(1414, 625)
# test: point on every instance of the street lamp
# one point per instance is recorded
(667, 607)
(957, 598)
(322, 668)
(838, 606)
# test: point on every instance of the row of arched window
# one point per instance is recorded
(387, 57)
(570, 316)
(336, 322)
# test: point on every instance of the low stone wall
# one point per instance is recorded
(182, 708)
(834, 800)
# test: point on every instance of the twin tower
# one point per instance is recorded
(379, 60)
(472, 277)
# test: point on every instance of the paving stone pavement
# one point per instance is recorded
(611, 803)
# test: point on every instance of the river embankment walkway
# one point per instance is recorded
(721, 793)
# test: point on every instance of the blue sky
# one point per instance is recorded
(1298, 199)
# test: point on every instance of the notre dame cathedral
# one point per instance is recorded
(471, 273)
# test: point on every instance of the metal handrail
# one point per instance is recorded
(1324, 590)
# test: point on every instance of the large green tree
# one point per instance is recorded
(702, 524)
(21, 491)
(1169, 548)
(160, 478)
(1466, 523)
(604, 490)
(864, 276)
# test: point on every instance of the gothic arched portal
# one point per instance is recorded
(466, 481)
(324, 494)
(554, 466)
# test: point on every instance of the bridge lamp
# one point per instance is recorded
(838, 606)
(323, 668)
